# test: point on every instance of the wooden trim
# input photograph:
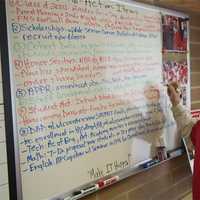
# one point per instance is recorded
(195, 102)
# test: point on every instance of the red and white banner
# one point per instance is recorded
(195, 113)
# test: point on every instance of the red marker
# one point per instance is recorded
(107, 182)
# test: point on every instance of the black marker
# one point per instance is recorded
(84, 191)
(149, 163)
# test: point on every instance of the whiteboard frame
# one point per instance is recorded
(14, 114)
(127, 172)
(8, 111)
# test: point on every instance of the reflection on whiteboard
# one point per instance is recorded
(87, 91)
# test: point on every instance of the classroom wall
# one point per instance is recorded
(195, 61)
(172, 179)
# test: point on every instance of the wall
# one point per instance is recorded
(195, 60)
(172, 179)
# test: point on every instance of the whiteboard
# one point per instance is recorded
(87, 92)
(4, 191)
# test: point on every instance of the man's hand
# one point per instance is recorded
(174, 93)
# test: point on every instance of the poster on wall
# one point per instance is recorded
(175, 54)
(175, 33)
(175, 68)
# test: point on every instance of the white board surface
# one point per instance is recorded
(86, 82)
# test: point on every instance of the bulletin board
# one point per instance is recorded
(88, 89)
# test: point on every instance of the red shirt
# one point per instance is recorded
(195, 136)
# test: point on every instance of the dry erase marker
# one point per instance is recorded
(80, 193)
(107, 182)
(150, 163)
(77, 194)
(68, 198)
(89, 189)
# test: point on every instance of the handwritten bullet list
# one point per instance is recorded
(80, 69)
